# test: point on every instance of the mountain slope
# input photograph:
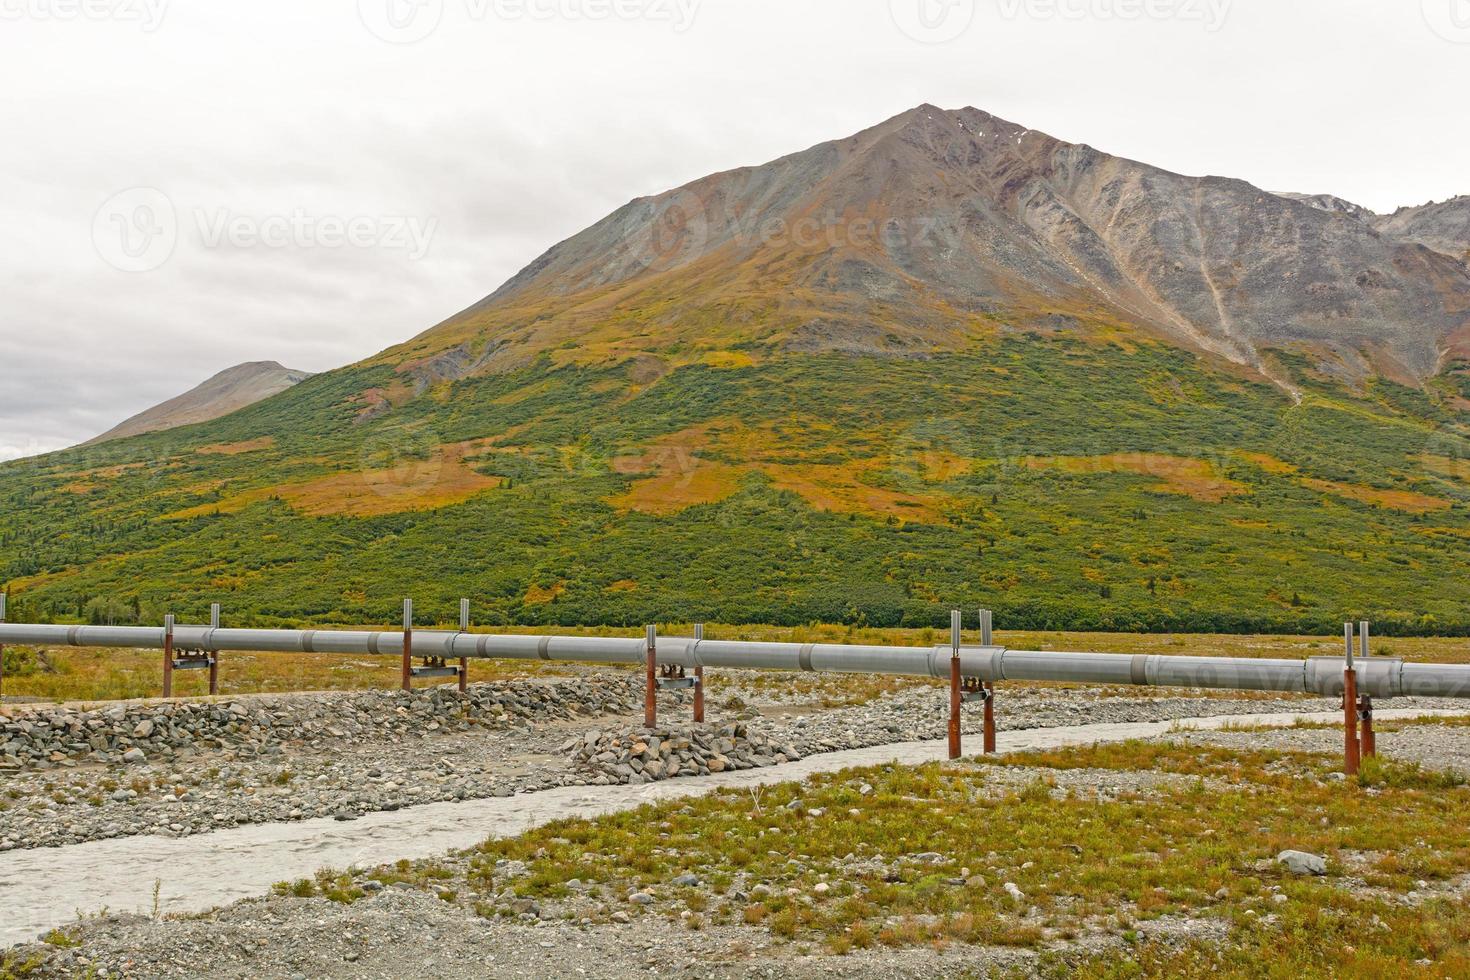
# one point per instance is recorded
(943, 362)
(1444, 227)
(934, 217)
(1333, 204)
(229, 391)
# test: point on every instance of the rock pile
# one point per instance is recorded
(44, 738)
(642, 755)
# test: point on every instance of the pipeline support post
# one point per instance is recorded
(1367, 739)
(1350, 706)
(168, 656)
(698, 676)
(650, 692)
(954, 684)
(214, 620)
(408, 644)
(463, 660)
(985, 640)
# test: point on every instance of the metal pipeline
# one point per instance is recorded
(1377, 677)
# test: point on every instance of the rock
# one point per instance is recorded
(687, 881)
(640, 898)
(1014, 891)
(134, 756)
(1302, 863)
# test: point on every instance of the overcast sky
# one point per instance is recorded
(189, 184)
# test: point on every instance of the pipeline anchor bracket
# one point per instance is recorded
(193, 660)
(434, 667)
(671, 677)
(974, 689)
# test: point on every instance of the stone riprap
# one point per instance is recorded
(50, 737)
(643, 755)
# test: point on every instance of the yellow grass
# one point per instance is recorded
(442, 480)
(1269, 464)
(1446, 466)
(838, 488)
(1194, 478)
(237, 448)
(682, 477)
(1405, 500)
(538, 596)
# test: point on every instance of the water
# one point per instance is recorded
(48, 887)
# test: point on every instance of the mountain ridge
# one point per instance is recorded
(228, 391)
(974, 213)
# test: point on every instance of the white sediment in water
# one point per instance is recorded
(48, 887)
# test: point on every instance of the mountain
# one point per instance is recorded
(1444, 227)
(1333, 204)
(229, 391)
(943, 362)
(935, 217)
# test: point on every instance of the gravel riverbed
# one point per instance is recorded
(344, 755)
(397, 751)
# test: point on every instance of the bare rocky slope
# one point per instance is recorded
(226, 392)
(1442, 226)
(935, 218)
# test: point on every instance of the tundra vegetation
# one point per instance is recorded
(957, 853)
(1088, 483)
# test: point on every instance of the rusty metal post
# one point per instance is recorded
(3, 597)
(698, 676)
(408, 644)
(986, 640)
(1368, 740)
(168, 656)
(650, 693)
(213, 655)
(1351, 748)
(954, 685)
(464, 662)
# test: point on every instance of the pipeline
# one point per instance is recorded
(1379, 677)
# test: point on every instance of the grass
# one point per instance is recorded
(919, 856)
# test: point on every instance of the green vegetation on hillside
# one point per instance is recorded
(1064, 483)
